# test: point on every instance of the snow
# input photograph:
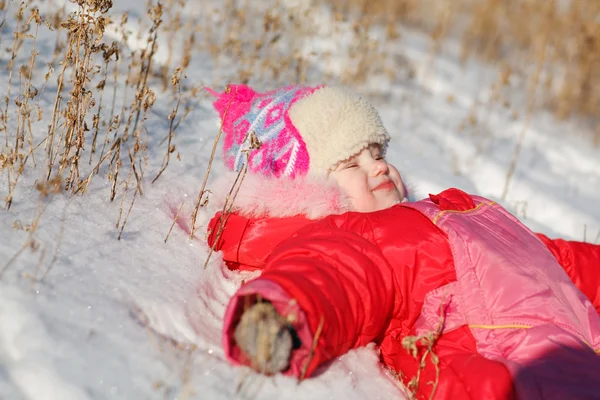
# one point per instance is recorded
(109, 320)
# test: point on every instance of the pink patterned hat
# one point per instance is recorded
(301, 129)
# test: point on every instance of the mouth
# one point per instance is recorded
(385, 186)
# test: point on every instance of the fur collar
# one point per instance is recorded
(313, 197)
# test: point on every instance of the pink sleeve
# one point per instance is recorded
(285, 306)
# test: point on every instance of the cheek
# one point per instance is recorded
(397, 179)
(361, 197)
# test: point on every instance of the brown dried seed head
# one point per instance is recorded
(50, 71)
(108, 52)
(185, 62)
(20, 12)
(35, 16)
(149, 100)
(5, 161)
(31, 92)
(155, 13)
(98, 5)
(24, 70)
(255, 143)
(40, 112)
(176, 78)
(100, 27)
(70, 24)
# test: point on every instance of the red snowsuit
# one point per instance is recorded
(363, 277)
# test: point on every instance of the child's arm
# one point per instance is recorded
(581, 261)
(333, 286)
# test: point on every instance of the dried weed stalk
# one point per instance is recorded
(202, 200)
(414, 344)
(175, 82)
(46, 190)
(12, 160)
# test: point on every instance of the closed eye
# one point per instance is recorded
(348, 166)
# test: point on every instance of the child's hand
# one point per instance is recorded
(264, 337)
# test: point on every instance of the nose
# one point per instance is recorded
(380, 167)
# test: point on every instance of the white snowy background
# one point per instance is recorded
(97, 325)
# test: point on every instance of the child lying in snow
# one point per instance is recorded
(346, 260)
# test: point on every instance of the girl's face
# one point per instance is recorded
(371, 183)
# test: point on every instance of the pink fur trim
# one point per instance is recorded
(259, 196)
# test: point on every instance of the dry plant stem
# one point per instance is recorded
(186, 113)
(14, 257)
(227, 207)
(145, 67)
(96, 124)
(38, 20)
(128, 212)
(148, 68)
(170, 147)
(10, 73)
(117, 162)
(33, 277)
(79, 53)
(174, 221)
(429, 340)
(114, 120)
(125, 93)
(115, 145)
(126, 184)
(530, 108)
(24, 123)
(312, 349)
(57, 248)
(13, 56)
(73, 106)
(210, 161)
(53, 123)
(29, 242)
(135, 174)
(46, 78)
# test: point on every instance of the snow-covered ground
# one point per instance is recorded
(98, 325)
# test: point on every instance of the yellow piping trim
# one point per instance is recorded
(500, 326)
(491, 203)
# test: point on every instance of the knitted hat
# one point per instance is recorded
(302, 130)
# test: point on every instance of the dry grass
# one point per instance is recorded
(560, 39)
(88, 136)
(83, 137)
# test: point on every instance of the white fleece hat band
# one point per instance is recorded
(335, 125)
